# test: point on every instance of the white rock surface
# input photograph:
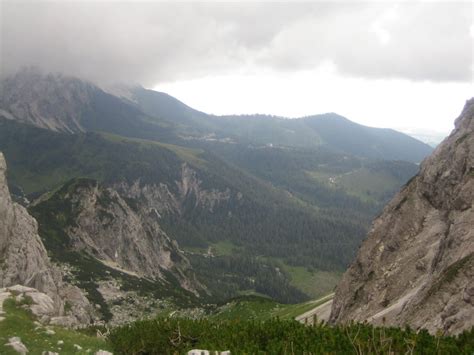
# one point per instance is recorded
(17, 345)
(41, 304)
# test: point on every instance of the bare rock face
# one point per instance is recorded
(161, 199)
(124, 235)
(50, 101)
(24, 260)
(23, 256)
(40, 304)
(416, 266)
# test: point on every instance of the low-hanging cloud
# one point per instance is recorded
(150, 42)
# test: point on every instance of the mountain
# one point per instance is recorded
(200, 200)
(161, 105)
(117, 254)
(142, 171)
(416, 266)
(343, 135)
(328, 130)
(70, 105)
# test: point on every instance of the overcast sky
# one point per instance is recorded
(388, 64)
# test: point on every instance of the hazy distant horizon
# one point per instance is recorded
(405, 65)
(414, 108)
(427, 134)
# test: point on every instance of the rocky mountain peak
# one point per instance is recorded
(416, 266)
(51, 101)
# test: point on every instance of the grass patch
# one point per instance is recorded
(254, 307)
(245, 308)
(314, 283)
(365, 184)
(294, 310)
(19, 322)
(223, 247)
(220, 248)
(187, 154)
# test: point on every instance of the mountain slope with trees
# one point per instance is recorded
(327, 130)
(229, 196)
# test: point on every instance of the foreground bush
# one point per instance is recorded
(177, 336)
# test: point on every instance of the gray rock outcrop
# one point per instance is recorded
(24, 260)
(161, 198)
(416, 266)
(125, 236)
(108, 228)
(52, 101)
(17, 345)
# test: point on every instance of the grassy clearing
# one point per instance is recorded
(220, 248)
(187, 154)
(253, 307)
(363, 183)
(245, 308)
(31, 182)
(19, 322)
(315, 283)
(294, 310)
(223, 247)
(367, 185)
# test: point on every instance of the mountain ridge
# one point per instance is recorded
(71, 105)
(249, 216)
(416, 265)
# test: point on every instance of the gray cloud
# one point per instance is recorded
(149, 42)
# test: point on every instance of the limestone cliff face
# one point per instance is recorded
(51, 101)
(119, 224)
(23, 256)
(125, 235)
(162, 199)
(24, 260)
(416, 266)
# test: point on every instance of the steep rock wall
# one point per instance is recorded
(416, 266)
(24, 260)
(125, 235)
